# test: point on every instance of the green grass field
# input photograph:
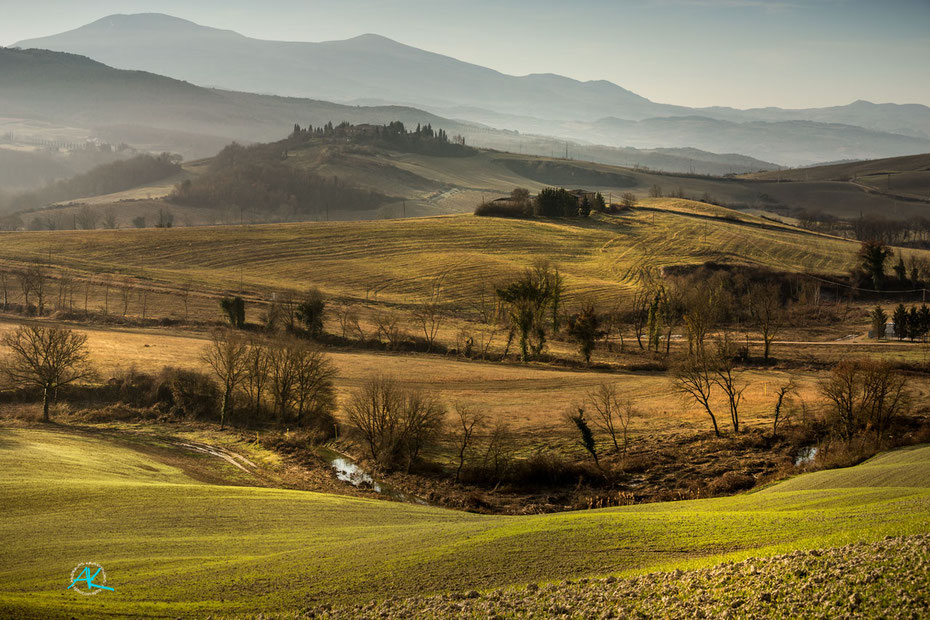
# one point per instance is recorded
(173, 546)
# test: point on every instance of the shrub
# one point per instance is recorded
(187, 393)
(503, 209)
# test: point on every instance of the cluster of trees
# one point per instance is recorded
(864, 396)
(870, 271)
(550, 202)
(105, 179)
(913, 324)
(394, 423)
(393, 136)
(288, 376)
(913, 231)
(38, 290)
(257, 179)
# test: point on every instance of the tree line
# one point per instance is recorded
(393, 136)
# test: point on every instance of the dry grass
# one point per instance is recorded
(395, 261)
(533, 399)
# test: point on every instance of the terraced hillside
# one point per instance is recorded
(174, 546)
(397, 260)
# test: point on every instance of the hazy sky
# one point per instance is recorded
(743, 53)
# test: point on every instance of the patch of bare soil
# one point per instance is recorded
(886, 579)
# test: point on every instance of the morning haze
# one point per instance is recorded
(410, 310)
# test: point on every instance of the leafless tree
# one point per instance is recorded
(348, 320)
(184, 292)
(395, 423)
(467, 422)
(781, 394)
(5, 284)
(612, 414)
(65, 293)
(499, 450)
(700, 315)
(282, 377)
(227, 355)
(693, 378)
(46, 357)
(628, 199)
(32, 281)
(87, 218)
(765, 307)
(388, 326)
(864, 394)
(287, 310)
(421, 423)
(314, 393)
(256, 377)
(431, 313)
(109, 219)
(726, 377)
(125, 294)
(373, 410)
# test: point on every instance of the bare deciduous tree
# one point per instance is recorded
(5, 285)
(613, 415)
(726, 377)
(125, 294)
(499, 449)
(430, 314)
(467, 423)
(32, 281)
(227, 355)
(766, 310)
(256, 375)
(388, 327)
(314, 393)
(395, 423)
(693, 377)
(46, 357)
(782, 393)
(348, 319)
(864, 395)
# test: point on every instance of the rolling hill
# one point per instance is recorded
(372, 69)
(602, 256)
(421, 184)
(174, 545)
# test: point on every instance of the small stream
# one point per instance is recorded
(349, 471)
(805, 456)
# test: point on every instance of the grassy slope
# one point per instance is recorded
(173, 546)
(397, 260)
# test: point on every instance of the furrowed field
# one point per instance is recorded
(395, 261)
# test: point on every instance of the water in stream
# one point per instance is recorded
(347, 471)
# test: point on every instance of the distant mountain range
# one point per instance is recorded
(153, 112)
(373, 69)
